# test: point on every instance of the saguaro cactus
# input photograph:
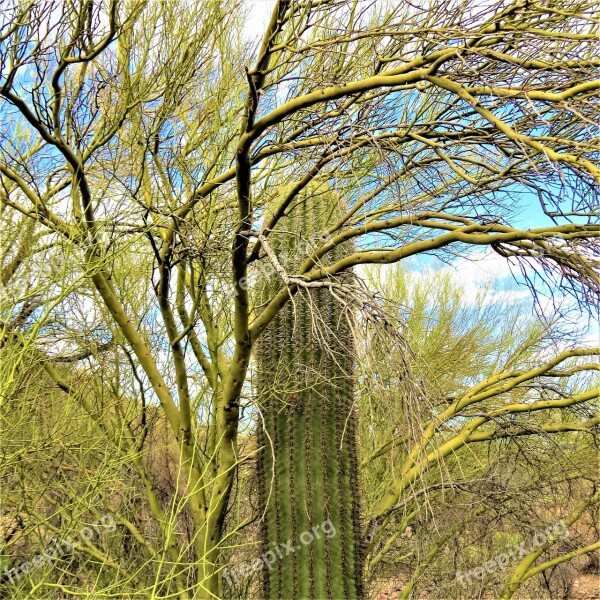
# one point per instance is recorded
(308, 470)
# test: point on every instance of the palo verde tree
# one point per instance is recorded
(147, 144)
(464, 499)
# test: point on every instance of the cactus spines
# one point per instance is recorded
(307, 469)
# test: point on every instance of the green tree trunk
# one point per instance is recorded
(308, 468)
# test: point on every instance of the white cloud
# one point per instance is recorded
(484, 275)
(259, 13)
